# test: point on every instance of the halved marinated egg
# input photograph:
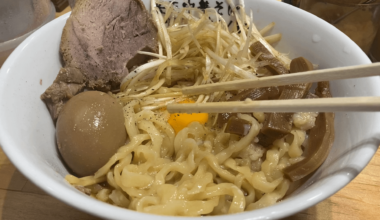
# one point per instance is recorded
(90, 129)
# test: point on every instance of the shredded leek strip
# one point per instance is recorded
(184, 52)
(151, 54)
(168, 45)
(200, 99)
(267, 28)
(195, 40)
(196, 47)
(233, 7)
(138, 73)
(157, 22)
(206, 99)
(273, 38)
(150, 90)
(169, 9)
(160, 50)
(154, 107)
(244, 51)
(237, 70)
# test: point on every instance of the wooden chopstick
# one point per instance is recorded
(287, 79)
(347, 104)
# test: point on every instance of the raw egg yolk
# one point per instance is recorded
(179, 121)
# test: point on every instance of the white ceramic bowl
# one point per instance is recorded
(27, 133)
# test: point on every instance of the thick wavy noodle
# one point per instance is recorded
(197, 172)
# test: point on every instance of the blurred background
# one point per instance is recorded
(358, 19)
(20, 18)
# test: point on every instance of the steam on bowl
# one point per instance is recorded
(27, 133)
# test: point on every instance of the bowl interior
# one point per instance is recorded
(27, 133)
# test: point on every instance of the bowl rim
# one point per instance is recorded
(87, 204)
(12, 43)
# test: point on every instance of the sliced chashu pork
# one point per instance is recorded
(98, 41)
